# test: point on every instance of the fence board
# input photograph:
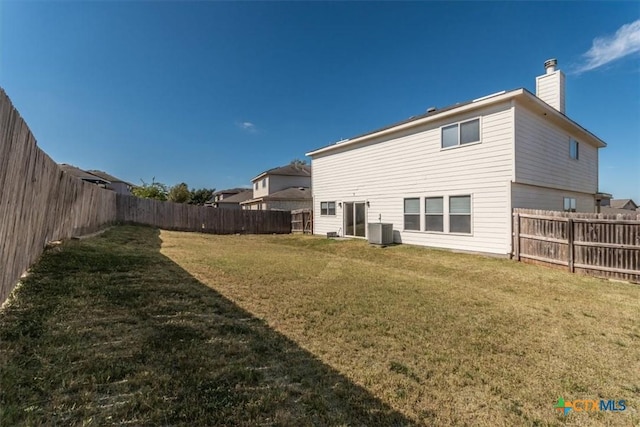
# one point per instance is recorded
(604, 245)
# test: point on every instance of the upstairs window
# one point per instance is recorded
(569, 204)
(264, 182)
(574, 149)
(433, 214)
(327, 208)
(461, 133)
(412, 214)
(460, 214)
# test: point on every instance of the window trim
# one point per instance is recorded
(572, 201)
(404, 214)
(441, 214)
(470, 214)
(577, 145)
(458, 124)
(328, 208)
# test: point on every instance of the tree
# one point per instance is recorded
(179, 193)
(201, 196)
(154, 190)
(298, 162)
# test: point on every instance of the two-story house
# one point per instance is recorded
(283, 188)
(451, 177)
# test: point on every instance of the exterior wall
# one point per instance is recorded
(412, 164)
(542, 156)
(119, 188)
(281, 182)
(261, 191)
(288, 205)
(532, 197)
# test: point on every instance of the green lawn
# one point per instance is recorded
(145, 327)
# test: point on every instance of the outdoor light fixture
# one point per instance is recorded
(368, 205)
(340, 204)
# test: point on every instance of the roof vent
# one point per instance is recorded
(431, 109)
(550, 65)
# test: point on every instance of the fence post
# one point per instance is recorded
(570, 242)
(516, 236)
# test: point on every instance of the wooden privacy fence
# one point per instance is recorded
(38, 202)
(604, 245)
(183, 217)
(302, 221)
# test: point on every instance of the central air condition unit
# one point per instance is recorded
(380, 234)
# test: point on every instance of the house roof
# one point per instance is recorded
(230, 191)
(106, 176)
(288, 170)
(621, 203)
(291, 193)
(82, 174)
(237, 198)
(527, 98)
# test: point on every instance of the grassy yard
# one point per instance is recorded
(165, 328)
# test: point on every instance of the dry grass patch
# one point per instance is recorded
(444, 338)
(107, 331)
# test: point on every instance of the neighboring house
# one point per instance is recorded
(619, 206)
(115, 184)
(231, 200)
(628, 204)
(222, 194)
(283, 188)
(451, 177)
(84, 175)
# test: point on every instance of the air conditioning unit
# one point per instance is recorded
(380, 234)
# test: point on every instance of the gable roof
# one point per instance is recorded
(237, 198)
(621, 203)
(230, 191)
(288, 170)
(106, 176)
(527, 99)
(291, 193)
(82, 174)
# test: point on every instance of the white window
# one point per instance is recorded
(327, 208)
(412, 214)
(460, 214)
(264, 182)
(461, 133)
(574, 149)
(569, 204)
(255, 186)
(433, 214)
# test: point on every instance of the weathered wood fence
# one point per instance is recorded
(183, 217)
(302, 221)
(603, 245)
(38, 202)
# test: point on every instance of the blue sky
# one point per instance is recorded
(213, 93)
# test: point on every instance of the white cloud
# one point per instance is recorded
(624, 42)
(248, 126)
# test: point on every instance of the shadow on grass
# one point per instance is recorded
(110, 331)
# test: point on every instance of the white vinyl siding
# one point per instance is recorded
(542, 156)
(533, 197)
(387, 170)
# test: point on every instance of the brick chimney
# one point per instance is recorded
(550, 86)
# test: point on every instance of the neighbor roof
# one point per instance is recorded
(291, 193)
(288, 170)
(237, 198)
(82, 174)
(106, 176)
(620, 203)
(451, 110)
(230, 191)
